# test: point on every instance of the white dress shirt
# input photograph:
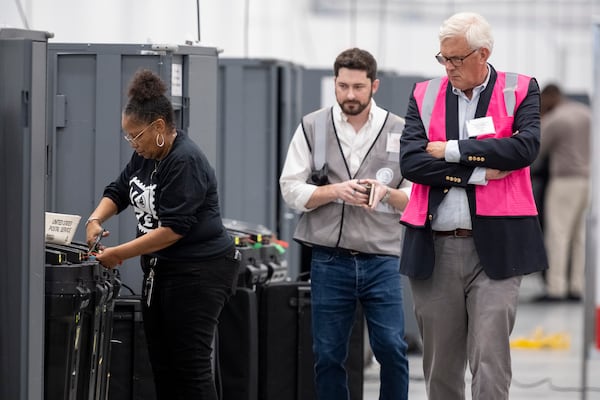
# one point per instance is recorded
(453, 212)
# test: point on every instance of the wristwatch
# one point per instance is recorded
(386, 196)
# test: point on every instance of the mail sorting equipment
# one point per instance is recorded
(80, 297)
(259, 109)
(22, 148)
(87, 90)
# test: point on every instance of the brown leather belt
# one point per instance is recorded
(461, 233)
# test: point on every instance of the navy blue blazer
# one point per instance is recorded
(507, 246)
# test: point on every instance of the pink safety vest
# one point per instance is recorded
(511, 196)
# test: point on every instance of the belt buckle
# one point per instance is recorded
(461, 233)
(354, 252)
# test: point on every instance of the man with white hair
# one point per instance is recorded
(472, 228)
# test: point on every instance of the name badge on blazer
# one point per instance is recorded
(480, 126)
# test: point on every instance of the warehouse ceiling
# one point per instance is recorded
(564, 14)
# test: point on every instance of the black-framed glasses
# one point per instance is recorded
(455, 61)
(135, 138)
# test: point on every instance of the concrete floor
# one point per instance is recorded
(550, 374)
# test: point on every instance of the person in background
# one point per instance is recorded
(355, 241)
(565, 132)
(472, 229)
(189, 260)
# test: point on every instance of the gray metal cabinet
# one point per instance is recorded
(87, 90)
(22, 144)
(259, 109)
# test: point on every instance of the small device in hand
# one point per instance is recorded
(370, 193)
(96, 246)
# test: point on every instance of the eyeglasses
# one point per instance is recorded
(135, 138)
(455, 61)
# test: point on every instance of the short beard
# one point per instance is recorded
(358, 106)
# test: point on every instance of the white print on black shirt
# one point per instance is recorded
(144, 204)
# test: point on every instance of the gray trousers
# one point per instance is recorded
(464, 316)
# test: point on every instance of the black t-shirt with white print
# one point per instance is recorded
(179, 192)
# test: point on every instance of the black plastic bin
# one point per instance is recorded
(286, 363)
(113, 284)
(79, 296)
(93, 323)
(237, 364)
(130, 370)
(67, 298)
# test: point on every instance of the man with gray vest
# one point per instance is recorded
(342, 172)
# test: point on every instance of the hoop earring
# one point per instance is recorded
(161, 144)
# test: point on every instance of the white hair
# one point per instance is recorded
(472, 27)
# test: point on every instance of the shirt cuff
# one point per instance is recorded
(478, 177)
(452, 153)
(303, 197)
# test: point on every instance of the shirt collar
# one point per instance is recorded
(477, 89)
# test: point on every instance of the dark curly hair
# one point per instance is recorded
(147, 99)
(356, 58)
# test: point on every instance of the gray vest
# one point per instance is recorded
(338, 224)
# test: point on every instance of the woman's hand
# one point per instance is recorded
(109, 258)
(94, 233)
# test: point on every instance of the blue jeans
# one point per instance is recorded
(338, 280)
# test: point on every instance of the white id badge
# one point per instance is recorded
(480, 126)
(393, 143)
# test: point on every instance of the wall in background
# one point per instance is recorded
(549, 39)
